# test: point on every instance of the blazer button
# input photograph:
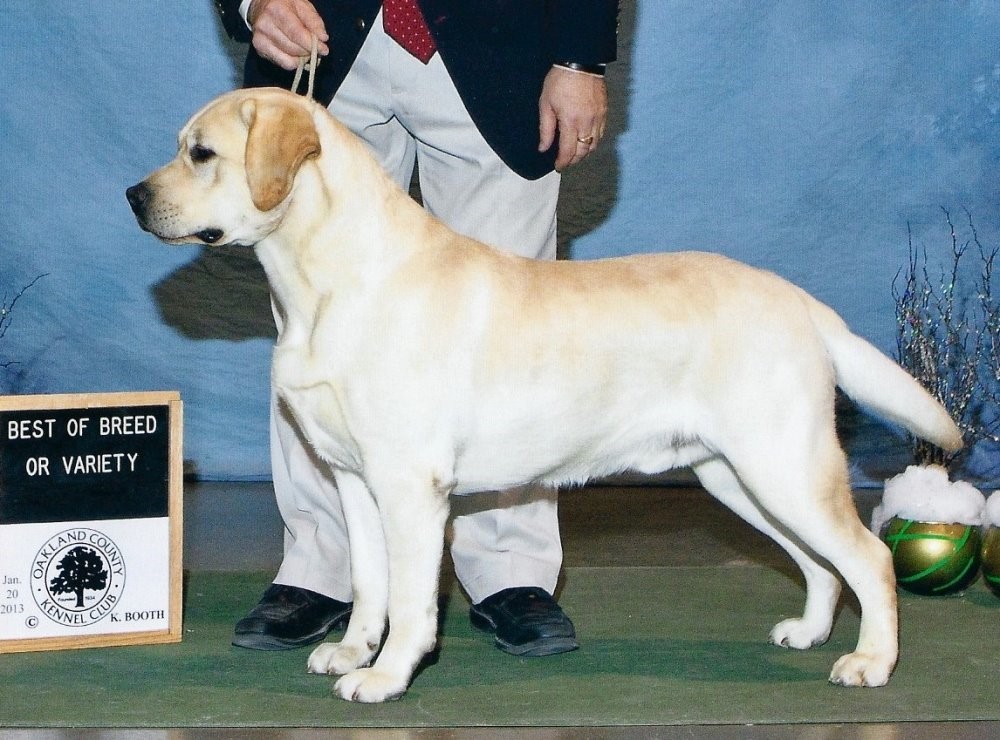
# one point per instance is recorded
(359, 24)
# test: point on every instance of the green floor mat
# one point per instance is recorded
(658, 645)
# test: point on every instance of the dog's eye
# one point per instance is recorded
(201, 153)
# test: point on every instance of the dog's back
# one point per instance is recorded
(649, 362)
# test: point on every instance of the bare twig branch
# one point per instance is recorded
(7, 314)
(949, 337)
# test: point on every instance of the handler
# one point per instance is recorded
(490, 99)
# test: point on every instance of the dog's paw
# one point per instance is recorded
(799, 634)
(370, 685)
(337, 658)
(862, 669)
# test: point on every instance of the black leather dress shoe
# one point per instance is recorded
(525, 621)
(289, 617)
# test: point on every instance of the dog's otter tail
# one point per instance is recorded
(872, 379)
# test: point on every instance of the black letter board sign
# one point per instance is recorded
(90, 520)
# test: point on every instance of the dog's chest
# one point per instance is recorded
(316, 403)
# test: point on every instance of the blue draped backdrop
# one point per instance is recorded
(803, 136)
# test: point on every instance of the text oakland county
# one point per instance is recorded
(84, 464)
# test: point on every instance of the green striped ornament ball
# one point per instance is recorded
(991, 559)
(933, 559)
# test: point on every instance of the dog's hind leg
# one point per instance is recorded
(413, 513)
(822, 586)
(369, 582)
(805, 490)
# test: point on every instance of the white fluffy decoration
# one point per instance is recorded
(992, 515)
(925, 494)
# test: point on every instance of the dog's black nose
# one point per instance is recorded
(138, 197)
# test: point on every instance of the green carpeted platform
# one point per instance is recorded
(659, 645)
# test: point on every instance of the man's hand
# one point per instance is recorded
(576, 105)
(283, 30)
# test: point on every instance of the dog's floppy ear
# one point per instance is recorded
(281, 137)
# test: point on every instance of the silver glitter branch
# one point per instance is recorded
(949, 338)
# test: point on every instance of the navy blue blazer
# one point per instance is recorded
(496, 51)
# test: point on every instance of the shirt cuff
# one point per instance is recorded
(597, 70)
(244, 9)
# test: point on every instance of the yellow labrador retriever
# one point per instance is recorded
(420, 364)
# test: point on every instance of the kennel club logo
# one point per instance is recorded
(77, 577)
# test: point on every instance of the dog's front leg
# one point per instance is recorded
(414, 512)
(369, 580)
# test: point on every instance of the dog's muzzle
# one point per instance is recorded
(139, 196)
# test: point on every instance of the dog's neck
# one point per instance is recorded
(341, 245)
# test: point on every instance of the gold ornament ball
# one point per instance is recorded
(991, 559)
(933, 559)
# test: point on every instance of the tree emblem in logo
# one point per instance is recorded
(77, 577)
(81, 569)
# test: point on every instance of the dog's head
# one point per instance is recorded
(236, 163)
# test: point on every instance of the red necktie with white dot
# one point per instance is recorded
(405, 24)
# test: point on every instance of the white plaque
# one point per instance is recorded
(90, 520)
